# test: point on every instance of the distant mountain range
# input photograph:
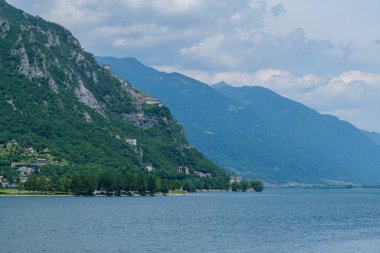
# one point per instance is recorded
(257, 133)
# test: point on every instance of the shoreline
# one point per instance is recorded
(90, 196)
(158, 194)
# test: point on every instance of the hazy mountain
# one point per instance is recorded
(373, 136)
(256, 132)
(53, 95)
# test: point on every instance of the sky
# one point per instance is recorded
(322, 53)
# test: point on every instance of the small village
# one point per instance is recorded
(29, 163)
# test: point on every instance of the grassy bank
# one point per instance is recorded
(16, 192)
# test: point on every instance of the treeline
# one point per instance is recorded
(245, 185)
(106, 183)
(116, 183)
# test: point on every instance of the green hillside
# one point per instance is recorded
(53, 95)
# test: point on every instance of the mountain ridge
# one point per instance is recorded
(256, 132)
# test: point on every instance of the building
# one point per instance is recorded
(149, 167)
(12, 143)
(1, 179)
(184, 169)
(41, 161)
(106, 66)
(235, 179)
(30, 150)
(11, 186)
(151, 101)
(25, 171)
(132, 142)
(201, 174)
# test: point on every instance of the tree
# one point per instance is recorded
(56, 184)
(151, 184)
(106, 183)
(257, 185)
(66, 183)
(43, 184)
(235, 187)
(130, 182)
(118, 183)
(164, 186)
(32, 183)
(244, 185)
(188, 186)
(20, 186)
(141, 184)
(83, 184)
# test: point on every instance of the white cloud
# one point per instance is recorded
(210, 35)
(228, 35)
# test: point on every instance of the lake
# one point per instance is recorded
(272, 221)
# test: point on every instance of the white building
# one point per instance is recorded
(132, 142)
(30, 150)
(149, 168)
(183, 169)
(201, 174)
(235, 180)
(152, 101)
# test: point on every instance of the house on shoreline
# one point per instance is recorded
(235, 179)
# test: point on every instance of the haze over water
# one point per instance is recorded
(273, 221)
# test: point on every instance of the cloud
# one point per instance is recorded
(211, 35)
(245, 50)
(241, 33)
(277, 10)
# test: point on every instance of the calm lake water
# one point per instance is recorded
(272, 221)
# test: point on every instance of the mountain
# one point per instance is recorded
(373, 136)
(54, 96)
(258, 133)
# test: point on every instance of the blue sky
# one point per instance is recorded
(322, 53)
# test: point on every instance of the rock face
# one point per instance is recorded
(4, 28)
(53, 85)
(86, 97)
(33, 70)
(54, 95)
